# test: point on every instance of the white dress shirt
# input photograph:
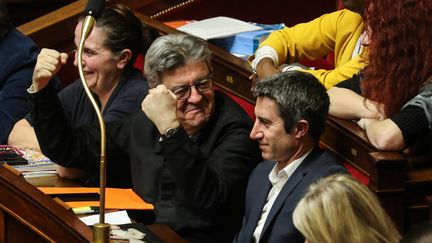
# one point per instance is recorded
(278, 180)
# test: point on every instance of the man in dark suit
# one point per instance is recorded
(291, 110)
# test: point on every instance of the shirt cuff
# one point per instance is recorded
(31, 90)
(264, 52)
(291, 67)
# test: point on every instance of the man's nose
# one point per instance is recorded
(254, 132)
(195, 95)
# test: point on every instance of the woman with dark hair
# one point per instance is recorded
(108, 58)
(108, 64)
(18, 55)
(392, 97)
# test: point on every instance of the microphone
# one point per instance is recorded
(93, 10)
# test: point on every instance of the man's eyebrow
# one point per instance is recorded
(264, 120)
(208, 76)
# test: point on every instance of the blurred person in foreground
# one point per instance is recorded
(339, 208)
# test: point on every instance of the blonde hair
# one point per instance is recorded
(339, 209)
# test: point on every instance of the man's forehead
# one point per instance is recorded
(266, 105)
(187, 73)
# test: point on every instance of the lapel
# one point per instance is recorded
(262, 189)
(290, 186)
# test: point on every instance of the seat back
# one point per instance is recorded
(246, 105)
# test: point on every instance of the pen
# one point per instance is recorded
(86, 210)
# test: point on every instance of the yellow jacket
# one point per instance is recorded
(336, 32)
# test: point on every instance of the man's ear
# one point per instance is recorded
(124, 58)
(301, 129)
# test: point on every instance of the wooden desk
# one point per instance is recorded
(163, 232)
(28, 215)
(52, 181)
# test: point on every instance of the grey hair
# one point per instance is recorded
(299, 96)
(171, 51)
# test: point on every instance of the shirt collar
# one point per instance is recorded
(276, 175)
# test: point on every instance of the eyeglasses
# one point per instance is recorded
(183, 92)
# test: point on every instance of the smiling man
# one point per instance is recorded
(291, 110)
(188, 150)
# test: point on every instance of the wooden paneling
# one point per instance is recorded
(22, 11)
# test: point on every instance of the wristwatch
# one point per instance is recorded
(168, 133)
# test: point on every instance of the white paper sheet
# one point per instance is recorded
(217, 27)
(117, 218)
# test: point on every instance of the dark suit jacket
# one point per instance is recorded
(279, 225)
(196, 184)
(18, 54)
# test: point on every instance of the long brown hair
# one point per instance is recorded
(400, 51)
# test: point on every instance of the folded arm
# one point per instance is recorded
(347, 104)
(23, 136)
(383, 134)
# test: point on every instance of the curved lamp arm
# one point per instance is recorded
(101, 229)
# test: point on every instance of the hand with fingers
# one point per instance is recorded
(264, 69)
(160, 106)
(48, 64)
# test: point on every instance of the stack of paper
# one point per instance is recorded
(38, 164)
(242, 44)
(217, 27)
(114, 218)
(246, 43)
(238, 37)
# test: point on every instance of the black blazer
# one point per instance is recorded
(196, 184)
(279, 227)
